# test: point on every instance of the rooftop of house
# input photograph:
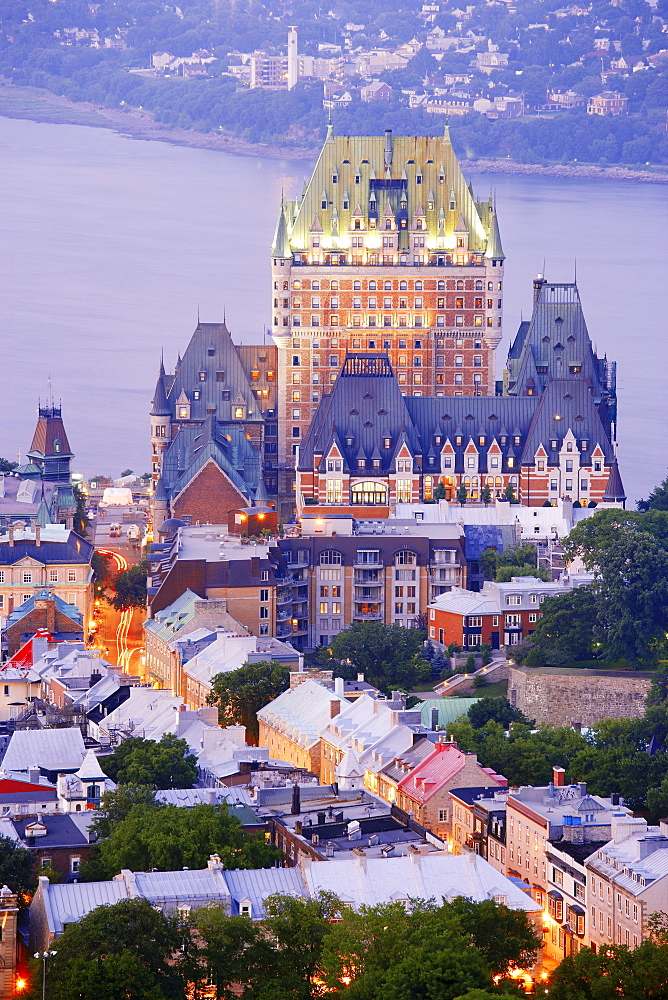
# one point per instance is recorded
(375, 727)
(472, 795)
(636, 857)
(449, 710)
(439, 769)
(369, 881)
(302, 712)
(48, 749)
(565, 806)
(56, 545)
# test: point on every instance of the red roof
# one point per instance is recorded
(438, 770)
(24, 657)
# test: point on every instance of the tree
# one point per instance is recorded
(130, 587)
(170, 838)
(461, 495)
(299, 927)
(7, 466)
(498, 709)
(439, 492)
(386, 951)
(103, 574)
(163, 764)
(509, 493)
(115, 806)
(566, 631)
(126, 950)
(233, 951)
(240, 694)
(613, 972)
(505, 937)
(486, 494)
(390, 656)
(17, 869)
(81, 520)
(516, 560)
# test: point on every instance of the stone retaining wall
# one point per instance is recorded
(562, 697)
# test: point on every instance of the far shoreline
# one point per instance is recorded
(34, 104)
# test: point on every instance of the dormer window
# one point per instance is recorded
(183, 412)
(57, 446)
(553, 444)
(201, 376)
(517, 439)
(569, 446)
(239, 412)
(387, 442)
(350, 442)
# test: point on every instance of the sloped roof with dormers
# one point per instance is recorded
(368, 174)
(366, 410)
(554, 343)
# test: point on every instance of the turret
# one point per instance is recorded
(161, 427)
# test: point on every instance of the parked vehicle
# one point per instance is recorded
(115, 530)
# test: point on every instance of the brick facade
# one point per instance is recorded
(208, 497)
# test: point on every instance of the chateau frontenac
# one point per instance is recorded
(381, 385)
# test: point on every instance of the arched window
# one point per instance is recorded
(478, 286)
(369, 494)
(330, 557)
(405, 558)
(57, 446)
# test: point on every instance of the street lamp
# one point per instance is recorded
(44, 955)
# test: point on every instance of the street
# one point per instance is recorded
(119, 633)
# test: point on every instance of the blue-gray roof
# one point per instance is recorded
(255, 885)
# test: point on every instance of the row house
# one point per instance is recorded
(339, 580)
(627, 881)
(424, 792)
(500, 614)
(374, 730)
(389, 244)
(478, 823)
(291, 724)
(49, 556)
(537, 816)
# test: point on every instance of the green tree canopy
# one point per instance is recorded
(170, 838)
(163, 764)
(566, 631)
(126, 950)
(115, 806)
(657, 500)
(498, 709)
(614, 972)
(17, 869)
(390, 656)
(240, 694)
(130, 588)
(7, 466)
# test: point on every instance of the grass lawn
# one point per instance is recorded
(497, 690)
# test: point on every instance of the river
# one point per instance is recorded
(109, 248)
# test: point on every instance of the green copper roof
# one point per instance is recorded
(407, 177)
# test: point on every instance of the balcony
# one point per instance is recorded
(284, 614)
(368, 565)
(284, 595)
(367, 593)
(367, 612)
(283, 630)
(368, 578)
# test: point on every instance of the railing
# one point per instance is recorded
(368, 616)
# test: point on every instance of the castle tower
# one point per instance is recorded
(161, 427)
(293, 58)
(386, 251)
(50, 449)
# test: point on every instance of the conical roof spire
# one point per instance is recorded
(614, 491)
(494, 248)
(160, 404)
(281, 247)
(261, 495)
(43, 513)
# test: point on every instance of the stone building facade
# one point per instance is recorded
(558, 697)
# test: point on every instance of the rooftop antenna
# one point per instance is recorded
(198, 313)
(49, 402)
(575, 270)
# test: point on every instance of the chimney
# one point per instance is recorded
(38, 535)
(360, 678)
(296, 800)
(11, 536)
(51, 615)
(614, 798)
(558, 776)
(33, 774)
(582, 785)
(339, 686)
(334, 708)
(388, 148)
